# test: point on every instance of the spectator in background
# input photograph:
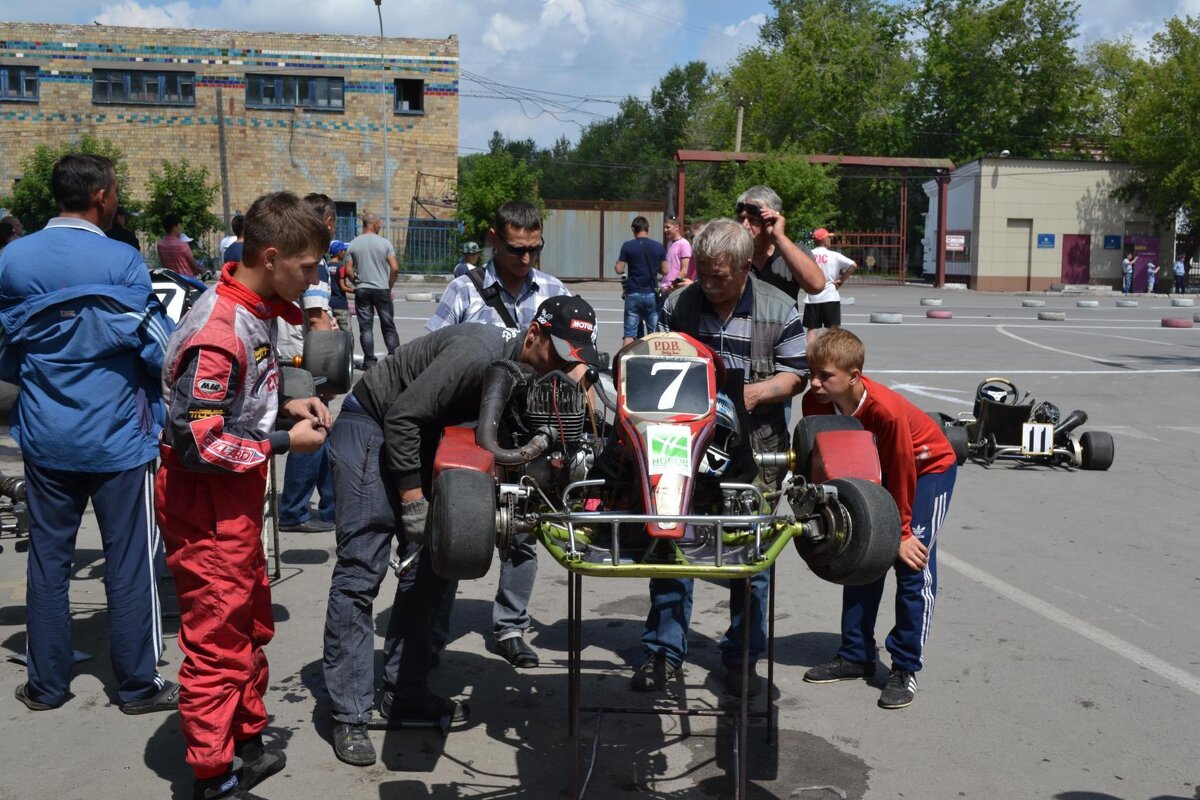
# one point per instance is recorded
(119, 232)
(777, 259)
(339, 305)
(1127, 272)
(1180, 273)
(87, 423)
(1151, 277)
(18, 230)
(7, 234)
(371, 266)
(235, 225)
(174, 250)
(823, 309)
(646, 261)
(679, 257)
(470, 257)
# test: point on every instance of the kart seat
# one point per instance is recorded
(1002, 421)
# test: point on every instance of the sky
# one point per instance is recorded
(578, 58)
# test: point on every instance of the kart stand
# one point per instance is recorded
(741, 717)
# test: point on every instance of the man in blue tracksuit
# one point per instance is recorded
(83, 336)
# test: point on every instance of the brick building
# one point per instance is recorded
(263, 111)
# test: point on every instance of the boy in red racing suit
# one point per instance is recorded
(918, 468)
(221, 379)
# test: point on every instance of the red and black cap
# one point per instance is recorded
(571, 322)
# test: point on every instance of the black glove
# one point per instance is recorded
(413, 517)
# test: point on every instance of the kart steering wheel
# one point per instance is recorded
(998, 390)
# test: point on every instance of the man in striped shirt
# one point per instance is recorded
(757, 331)
(506, 293)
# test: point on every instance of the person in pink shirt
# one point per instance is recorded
(174, 253)
(680, 271)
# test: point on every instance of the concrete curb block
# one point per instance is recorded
(1032, 303)
(939, 314)
(956, 287)
(887, 318)
(1127, 304)
(1183, 302)
(1172, 322)
(1052, 316)
(931, 301)
(419, 297)
(1087, 303)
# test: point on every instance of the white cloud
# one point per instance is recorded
(506, 35)
(172, 15)
(556, 11)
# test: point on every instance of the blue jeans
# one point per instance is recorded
(305, 472)
(640, 307)
(366, 303)
(915, 589)
(1127, 283)
(671, 614)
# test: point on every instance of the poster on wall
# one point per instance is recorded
(1145, 251)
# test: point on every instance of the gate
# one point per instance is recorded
(879, 255)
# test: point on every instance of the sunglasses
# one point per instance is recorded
(750, 209)
(521, 252)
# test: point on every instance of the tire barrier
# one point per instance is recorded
(886, 318)
(1172, 322)
(939, 314)
(419, 297)
(1052, 316)
(1127, 304)
(1087, 303)
(1183, 302)
(931, 301)
(1032, 303)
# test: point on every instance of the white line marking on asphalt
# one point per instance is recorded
(1132, 433)
(1184, 428)
(1000, 329)
(924, 391)
(1133, 339)
(1084, 629)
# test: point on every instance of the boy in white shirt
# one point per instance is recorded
(824, 309)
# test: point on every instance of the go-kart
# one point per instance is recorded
(1004, 424)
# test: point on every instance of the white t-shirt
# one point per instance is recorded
(228, 240)
(833, 264)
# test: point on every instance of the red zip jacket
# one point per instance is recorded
(910, 443)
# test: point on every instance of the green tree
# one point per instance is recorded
(32, 199)
(1158, 117)
(809, 191)
(996, 75)
(488, 180)
(185, 191)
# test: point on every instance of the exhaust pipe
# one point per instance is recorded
(499, 381)
(1071, 422)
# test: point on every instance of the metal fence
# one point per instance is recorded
(877, 254)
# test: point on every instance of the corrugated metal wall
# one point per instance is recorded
(574, 249)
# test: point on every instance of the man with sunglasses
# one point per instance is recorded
(506, 293)
(777, 259)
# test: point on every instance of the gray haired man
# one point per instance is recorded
(777, 260)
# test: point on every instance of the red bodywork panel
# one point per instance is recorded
(457, 450)
(845, 454)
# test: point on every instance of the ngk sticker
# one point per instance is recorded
(670, 449)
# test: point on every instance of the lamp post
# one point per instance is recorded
(387, 171)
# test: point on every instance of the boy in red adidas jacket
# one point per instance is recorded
(918, 470)
(221, 378)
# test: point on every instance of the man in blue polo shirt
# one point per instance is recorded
(84, 337)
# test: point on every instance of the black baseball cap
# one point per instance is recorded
(571, 322)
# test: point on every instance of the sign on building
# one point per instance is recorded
(956, 242)
(1112, 242)
(1045, 241)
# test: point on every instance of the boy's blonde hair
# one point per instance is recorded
(283, 221)
(836, 346)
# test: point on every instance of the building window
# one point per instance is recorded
(410, 96)
(295, 91)
(143, 87)
(19, 84)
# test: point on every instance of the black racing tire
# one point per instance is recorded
(805, 435)
(868, 538)
(330, 355)
(462, 530)
(1098, 450)
(957, 436)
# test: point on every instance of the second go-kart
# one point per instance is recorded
(1006, 425)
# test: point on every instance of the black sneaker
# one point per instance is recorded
(223, 787)
(653, 675)
(22, 694)
(517, 652)
(258, 763)
(421, 707)
(839, 669)
(352, 745)
(308, 526)
(733, 681)
(165, 699)
(900, 689)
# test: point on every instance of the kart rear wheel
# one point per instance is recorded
(330, 355)
(462, 532)
(805, 436)
(957, 436)
(866, 537)
(1098, 450)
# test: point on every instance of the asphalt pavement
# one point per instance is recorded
(1064, 659)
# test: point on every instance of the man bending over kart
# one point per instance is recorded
(756, 329)
(918, 470)
(382, 447)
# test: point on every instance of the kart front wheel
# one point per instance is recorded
(462, 532)
(862, 536)
(1097, 449)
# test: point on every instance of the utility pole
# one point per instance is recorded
(224, 159)
(737, 141)
(387, 170)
